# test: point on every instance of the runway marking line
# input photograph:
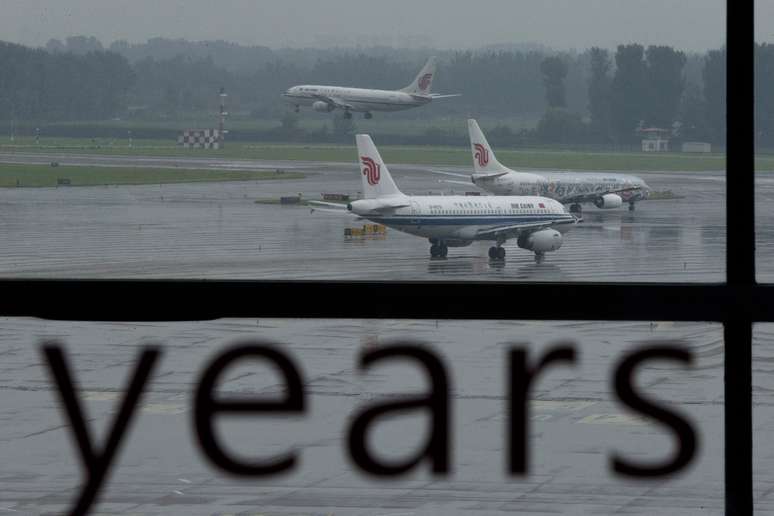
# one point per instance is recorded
(614, 419)
(164, 408)
(553, 405)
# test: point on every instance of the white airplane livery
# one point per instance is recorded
(604, 190)
(537, 223)
(328, 98)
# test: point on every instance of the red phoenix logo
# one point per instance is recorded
(424, 81)
(481, 154)
(371, 170)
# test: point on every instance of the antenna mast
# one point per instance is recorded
(223, 115)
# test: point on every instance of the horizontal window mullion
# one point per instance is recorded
(201, 300)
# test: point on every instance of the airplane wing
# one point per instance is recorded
(591, 197)
(466, 183)
(333, 101)
(335, 212)
(490, 175)
(331, 210)
(514, 230)
(455, 174)
(392, 207)
(325, 203)
(432, 96)
(333, 207)
(342, 208)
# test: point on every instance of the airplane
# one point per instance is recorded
(327, 98)
(537, 223)
(605, 190)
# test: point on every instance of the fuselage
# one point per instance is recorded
(564, 186)
(360, 99)
(461, 218)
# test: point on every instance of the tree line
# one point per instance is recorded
(38, 85)
(637, 88)
(595, 96)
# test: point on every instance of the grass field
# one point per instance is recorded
(427, 155)
(45, 175)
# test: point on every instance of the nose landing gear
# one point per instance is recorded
(631, 206)
(347, 115)
(439, 250)
(539, 257)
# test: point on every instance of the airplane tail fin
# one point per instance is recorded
(377, 181)
(424, 80)
(484, 160)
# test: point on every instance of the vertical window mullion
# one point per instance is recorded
(740, 255)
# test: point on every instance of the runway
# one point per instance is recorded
(91, 160)
(216, 230)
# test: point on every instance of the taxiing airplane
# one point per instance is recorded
(537, 223)
(604, 190)
(327, 98)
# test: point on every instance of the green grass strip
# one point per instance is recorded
(45, 175)
(546, 159)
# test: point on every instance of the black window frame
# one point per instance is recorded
(737, 303)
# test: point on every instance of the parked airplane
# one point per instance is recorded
(328, 98)
(605, 190)
(537, 223)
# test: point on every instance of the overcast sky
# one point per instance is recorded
(561, 24)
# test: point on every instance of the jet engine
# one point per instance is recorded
(608, 201)
(323, 107)
(541, 241)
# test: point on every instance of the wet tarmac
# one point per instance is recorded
(577, 423)
(216, 230)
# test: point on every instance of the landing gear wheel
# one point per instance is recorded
(497, 253)
(443, 251)
(631, 206)
(576, 208)
(347, 115)
(297, 109)
(539, 257)
(435, 250)
(368, 116)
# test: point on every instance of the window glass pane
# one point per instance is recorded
(107, 165)
(764, 141)
(763, 416)
(577, 422)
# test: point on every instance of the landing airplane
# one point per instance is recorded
(327, 98)
(537, 223)
(605, 190)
